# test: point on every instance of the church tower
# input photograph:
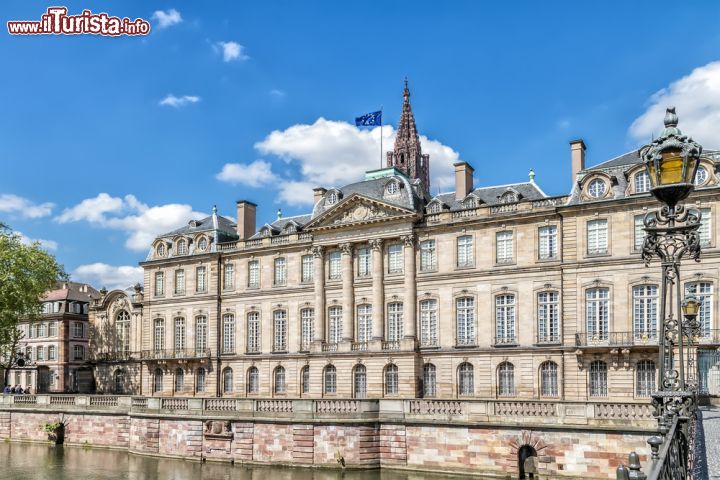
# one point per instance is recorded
(407, 154)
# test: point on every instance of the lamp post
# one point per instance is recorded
(672, 234)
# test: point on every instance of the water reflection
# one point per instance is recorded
(41, 462)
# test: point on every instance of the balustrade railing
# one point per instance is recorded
(620, 411)
(436, 407)
(25, 399)
(175, 353)
(337, 406)
(104, 401)
(140, 403)
(220, 404)
(506, 341)
(619, 339)
(62, 400)
(175, 403)
(274, 406)
(330, 347)
(391, 345)
(359, 346)
(525, 409)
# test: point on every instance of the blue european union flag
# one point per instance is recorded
(369, 119)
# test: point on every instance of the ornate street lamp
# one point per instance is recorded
(672, 234)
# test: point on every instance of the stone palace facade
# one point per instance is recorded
(385, 291)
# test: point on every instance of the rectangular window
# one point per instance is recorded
(645, 310)
(335, 325)
(200, 334)
(179, 282)
(254, 274)
(280, 271)
(597, 237)
(52, 355)
(280, 331)
(78, 330)
(253, 332)
(228, 333)
(364, 323)
(395, 322)
(40, 356)
(638, 232)
(52, 329)
(465, 251)
(229, 277)
(364, 262)
(548, 242)
(705, 227)
(47, 307)
(78, 352)
(428, 256)
(395, 258)
(159, 335)
(428, 323)
(335, 267)
(548, 317)
(465, 321)
(159, 284)
(200, 280)
(597, 313)
(307, 319)
(505, 320)
(179, 334)
(504, 247)
(308, 269)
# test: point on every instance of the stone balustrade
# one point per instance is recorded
(502, 411)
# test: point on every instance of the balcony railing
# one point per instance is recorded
(330, 347)
(391, 345)
(506, 341)
(615, 339)
(549, 339)
(175, 353)
(359, 346)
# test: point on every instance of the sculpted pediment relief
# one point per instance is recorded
(359, 210)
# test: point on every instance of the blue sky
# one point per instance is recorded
(106, 141)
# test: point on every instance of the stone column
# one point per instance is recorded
(378, 302)
(319, 279)
(348, 295)
(410, 287)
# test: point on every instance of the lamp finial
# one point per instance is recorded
(671, 122)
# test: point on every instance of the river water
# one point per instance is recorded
(24, 461)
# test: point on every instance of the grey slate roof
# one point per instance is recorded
(227, 229)
(491, 195)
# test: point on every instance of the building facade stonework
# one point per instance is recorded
(386, 291)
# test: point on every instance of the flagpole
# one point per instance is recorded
(381, 132)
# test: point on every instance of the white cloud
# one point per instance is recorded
(14, 204)
(177, 102)
(332, 153)
(277, 93)
(46, 244)
(255, 174)
(140, 222)
(232, 51)
(166, 18)
(697, 100)
(109, 276)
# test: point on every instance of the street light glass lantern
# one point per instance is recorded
(690, 306)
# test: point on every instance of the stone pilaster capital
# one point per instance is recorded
(346, 248)
(409, 240)
(317, 251)
(376, 243)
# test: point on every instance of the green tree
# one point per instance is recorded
(26, 273)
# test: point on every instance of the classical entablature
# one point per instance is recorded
(359, 210)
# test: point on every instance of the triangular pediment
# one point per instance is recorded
(358, 210)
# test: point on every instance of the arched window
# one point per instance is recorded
(505, 319)
(598, 379)
(179, 334)
(122, 331)
(506, 379)
(597, 188)
(466, 379)
(395, 322)
(645, 378)
(434, 207)
(429, 380)
(159, 335)
(597, 307)
(279, 380)
(179, 379)
(181, 247)
(158, 380)
(701, 176)
(332, 198)
(202, 244)
(359, 381)
(364, 323)
(200, 335)
(253, 380)
(465, 320)
(161, 250)
(642, 182)
(253, 332)
(508, 197)
(119, 381)
(645, 311)
(549, 379)
(305, 379)
(391, 379)
(330, 379)
(307, 319)
(280, 331)
(228, 333)
(200, 380)
(227, 380)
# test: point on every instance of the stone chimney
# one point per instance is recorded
(577, 157)
(246, 213)
(463, 179)
(318, 194)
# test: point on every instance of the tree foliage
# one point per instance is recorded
(26, 273)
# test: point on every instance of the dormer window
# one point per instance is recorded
(470, 202)
(642, 182)
(265, 232)
(332, 198)
(597, 188)
(508, 197)
(181, 247)
(701, 176)
(289, 228)
(434, 207)
(392, 188)
(160, 250)
(202, 244)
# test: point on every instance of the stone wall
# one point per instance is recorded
(436, 446)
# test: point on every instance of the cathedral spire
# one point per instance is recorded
(407, 154)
